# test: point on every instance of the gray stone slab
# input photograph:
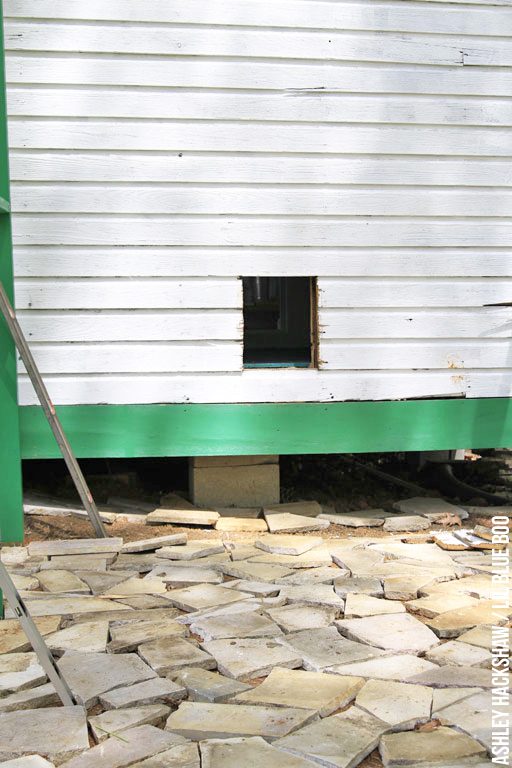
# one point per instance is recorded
(142, 562)
(401, 668)
(479, 636)
(462, 654)
(256, 571)
(358, 585)
(194, 549)
(176, 577)
(319, 557)
(435, 604)
(117, 752)
(287, 544)
(321, 648)
(310, 576)
(368, 518)
(420, 505)
(192, 516)
(307, 690)
(146, 602)
(440, 746)
(304, 508)
(455, 677)
(127, 637)
(286, 522)
(52, 547)
(198, 721)
(62, 581)
(19, 671)
(294, 618)
(149, 585)
(149, 545)
(358, 606)
(166, 657)
(203, 685)
(247, 658)
(88, 637)
(57, 733)
(30, 698)
(256, 588)
(91, 674)
(400, 633)
(60, 605)
(253, 751)
(339, 741)
(204, 596)
(117, 720)
(401, 705)
(472, 715)
(181, 756)
(235, 625)
(315, 594)
(78, 562)
(445, 697)
(406, 523)
(100, 582)
(157, 690)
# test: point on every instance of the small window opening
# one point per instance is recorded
(279, 322)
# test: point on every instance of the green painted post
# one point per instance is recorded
(11, 502)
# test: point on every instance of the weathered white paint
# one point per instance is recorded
(161, 150)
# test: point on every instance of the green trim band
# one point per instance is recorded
(282, 428)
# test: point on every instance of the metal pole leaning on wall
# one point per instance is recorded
(50, 413)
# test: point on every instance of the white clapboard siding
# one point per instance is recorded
(310, 77)
(413, 292)
(287, 107)
(378, 16)
(156, 357)
(126, 293)
(445, 323)
(265, 386)
(227, 42)
(131, 325)
(252, 137)
(451, 353)
(264, 200)
(47, 229)
(29, 165)
(82, 261)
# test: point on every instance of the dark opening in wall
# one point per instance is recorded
(280, 322)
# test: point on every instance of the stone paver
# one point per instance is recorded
(30, 761)
(400, 633)
(249, 752)
(89, 637)
(194, 549)
(246, 658)
(368, 518)
(19, 671)
(78, 562)
(57, 733)
(358, 585)
(454, 623)
(401, 705)
(310, 576)
(157, 690)
(308, 690)
(480, 636)
(13, 638)
(149, 545)
(115, 720)
(127, 637)
(435, 604)
(50, 547)
(294, 618)
(91, 674)
(455, 677)
(30, 698)
(256, 588)
(420, 505)
(287, 544)
(204, 596)
(176, 577)
(68, 606)
(182, 516)
(321, 648)
(444, 697)
(255, 525)
(315, 594)
(62, 581)
(305, 508)
(317, 557)
(235, 625)
(357, 606)
(149, 585)
(198, 720)
(415, 748)
(406, 523)
(286, 522)
(400, 668)
(180, 756)
(339, 741)
(251, 571)
(166, 656)
(203, 685)
(462, 654)
(472, 715)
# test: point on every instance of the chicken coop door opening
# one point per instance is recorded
(279, 322)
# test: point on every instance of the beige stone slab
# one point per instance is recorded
(406, 523)
(287, 544)
(373, 518)
(472, 716)
(56, 733)
(24, 582)
(87, 637)
(319, 557)
(69, 605)
(478, 586)
(455, 677)
(62, 581)
(177, 576)
(419, 505)
(250, 524)
(250, 571)
(30, 698)
(19, 671)
(480, 636)
(401, 633)
(454, 623)
(199, 720)
(99, 582)
(157, 542)
(284, 522)
(357, 606)
(247, 658)
(240, 551)
(435, 604)
(193, 516)
(149, 585)
(235, 625)
(12, 555)
(401, 668)
(401, 705)
(78, 562)
(204, 596)
(447, 540)
(30, 761)
(204, 685)
(192, 550)
(127, 637)
(167, 657)
(181, 756)
(294, 618)
(153, 691)
(443, 746)
(322, 648)
(443, 697)
(116, 721)
(307, 690)
(314, 594)
(312, 576)
(13, 638)
(358, 585)
(304, 508)
(51, 547)
(256, 588)
(252, 751)
(461, 654)
(147, 602)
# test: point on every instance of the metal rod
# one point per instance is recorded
(50, 413)
(44, 656)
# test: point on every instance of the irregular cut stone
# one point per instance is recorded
(115, 720)
(426, 555)
(23, 583)
(256, 525)
(435, 604)
(138, 563)
(136, 586)
(69, 605)
(78, 562)
(57, 733)
(406, 523)
(149, 545)
(316, 594)
(479, 586)
(293, 618)
(257, 588)
(361, 562)
(117, 752)
(52, 547)
(314, 558)
(304, 508)
(239, 551)
(472, 715)
(182, 517)
(13, 555)
(30, 698)
(400, 633)
(401, 705)
(357, 606)
(194, 549)
(339, 741)
(198, 721)
(90, 674)
(166, 657)
(287, 545)
(100, 582)
(126, 637)
(181, 756)
(204, 596)
(400, 668)
(368, 518)
(455, 677)
(203, 685)
(358, 585)
(156, 690)
(462, 654)
(253, 751)
(251, 512)
(31, 761)
(146, 603)
(444, 697)
(443, 745)
(306, 690)
(252, 604)
(454, 623)
(246, 658)
(321, 648)
(176, 576)
(235, 625)
(480, 636)
(62, 581)
(88, 637)
(19, 671)
(420, 505)
(256, 571)
(322, 575)
(13, 638)
(283, 522)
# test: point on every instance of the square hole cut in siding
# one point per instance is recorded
(280, 322)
